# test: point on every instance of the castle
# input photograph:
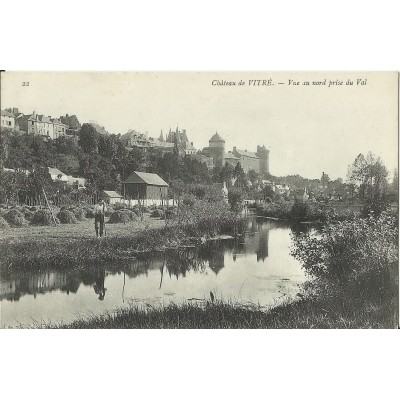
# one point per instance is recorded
(258, 161)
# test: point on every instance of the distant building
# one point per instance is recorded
(231, 159)
(57, 175)
(204, 160)
(72, 123)
(111, 197)
(7, 120)
(177, 136)
(146, 187)
(133, 138)
(40, 124)
(248, 160)
(259, 161)
(217, 150)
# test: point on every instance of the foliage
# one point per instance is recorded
(299, 211)
(358, 256)
(369, 174)
(210, 219)
(236, 198)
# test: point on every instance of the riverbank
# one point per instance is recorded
(332, 313)
(74, 246)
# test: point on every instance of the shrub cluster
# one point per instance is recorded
(208, 218)
(359, 255)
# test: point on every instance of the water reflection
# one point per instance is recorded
(252, 267)
(176, 263)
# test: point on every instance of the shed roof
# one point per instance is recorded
(145, 177)
(111, 193)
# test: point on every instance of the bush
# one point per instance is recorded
(236, 199)
(188, 200)
(3, 223)
(356, 255)
(122, 216)
(66, 217)
(209, 219)
(299, 211)
(280, 209)
(15, 218)
(43, 218)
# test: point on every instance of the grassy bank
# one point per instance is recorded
(305, 313)
(189, 227)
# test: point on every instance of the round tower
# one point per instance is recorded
(217, 150)
(263, 155)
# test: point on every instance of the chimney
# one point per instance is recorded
(34, 113)
(234, 148)
(67, 115)
(191, 143)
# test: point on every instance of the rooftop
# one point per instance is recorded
(145, 177)
(216, 138)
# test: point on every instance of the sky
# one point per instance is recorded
(309, 129)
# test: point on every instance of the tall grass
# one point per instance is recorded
(302, 314)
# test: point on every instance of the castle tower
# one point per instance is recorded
(217, 150)
(263, 155)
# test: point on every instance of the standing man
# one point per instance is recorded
(99, 212)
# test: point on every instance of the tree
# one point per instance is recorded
(88, 139)
(369, 174)
(236, 198)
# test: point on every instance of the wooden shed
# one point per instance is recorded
(149, 188)
(111, 197)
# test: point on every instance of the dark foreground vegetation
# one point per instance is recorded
(305, 313)
(354, 271)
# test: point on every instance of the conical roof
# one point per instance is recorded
(216, 138)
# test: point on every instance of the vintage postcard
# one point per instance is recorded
(199, 200)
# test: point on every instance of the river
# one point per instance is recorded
(257, 269)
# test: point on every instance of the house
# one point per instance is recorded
(57, 175)
(146, 187)
(7, 119)
(59, 128)
(111, 197)
(72, 124)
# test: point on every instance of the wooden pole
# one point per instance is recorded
(48, 205)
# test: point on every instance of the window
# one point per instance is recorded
(9, 123)
(33, 122)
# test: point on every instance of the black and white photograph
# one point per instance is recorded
(216, 200)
